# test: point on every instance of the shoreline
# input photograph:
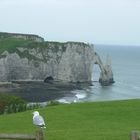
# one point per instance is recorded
(38, 91)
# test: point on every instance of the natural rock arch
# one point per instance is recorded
(106, 75)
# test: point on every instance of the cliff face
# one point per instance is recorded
(29, 57)
(63, 61)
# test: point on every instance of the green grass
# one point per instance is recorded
(11, 44)
(112, 120)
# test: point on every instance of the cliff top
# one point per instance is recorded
(11, 41)
(32, 37)
(4, 35)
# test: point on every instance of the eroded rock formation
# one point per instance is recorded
(106, 75)
(37, 60)
(70, 62)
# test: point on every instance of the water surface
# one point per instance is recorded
(126, 69)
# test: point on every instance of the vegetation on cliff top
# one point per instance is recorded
(11, 44)
(7, 43)
(112, 120)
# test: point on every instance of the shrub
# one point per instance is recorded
(53, 103)
(32, 106)
(11, 104)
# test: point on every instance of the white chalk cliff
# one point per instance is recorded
(70, 62)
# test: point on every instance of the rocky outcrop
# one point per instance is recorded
(38, 60)
(106, 75)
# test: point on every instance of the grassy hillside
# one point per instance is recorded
(85, 121)
(10, 44)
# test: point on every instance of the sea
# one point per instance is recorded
(126, 71)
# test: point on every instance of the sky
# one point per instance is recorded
(91, 21)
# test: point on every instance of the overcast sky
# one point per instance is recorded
(93, 21)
